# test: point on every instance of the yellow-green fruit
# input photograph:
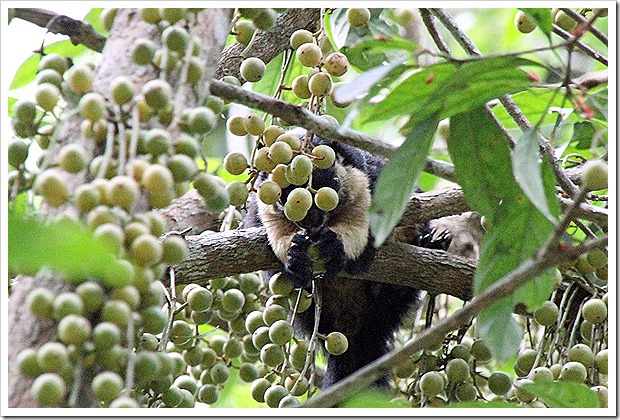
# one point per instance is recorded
(269, 192)
(236, 125)
(49, 389)
(291, 139)
(52, 187)
(300, 87)
(563, 20)
(175, 250)
(25, 111)
(143, 51)
(547, 314)
(72, 158)
(53, 61)
(150, 15)
(594, 175)
(52, 357)
(258, 389)
(49, 76)
(74, 329)
(238, 193)
(520, 392)
(172, 15)
(336, 64)
(175, 38)
(299, 198)
(523, 23)
(217, 202)
(266, 19)
(157, 178)
(235, 163)
(597, 258)
(92, 106)
(326, 199)
(594, 311)
(280, 332)
(123, 191)
(300, 37)
(122, 90)
(358, 16)
(41, 302)
(431, 384)
(499, 383)
(254, 124)
(601, 362)
(157, 94)
(573, 372)
(320, 84)
(336, 343)
(244, 31)
(17, 153)
(278, 175)
(207, 184)
(280, 152)
(252, 69)
(309, 55)
(146, 250)
(107, 386)
(111, 235)
(47, 96)
(325, 156)
(107, 18)
(582, 354)
(271, 133)
(262, 161)
(182, 167)
(299, 169)
(80, 78)
(202, 120)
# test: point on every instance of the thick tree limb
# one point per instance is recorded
(219, 254)
(78, 31)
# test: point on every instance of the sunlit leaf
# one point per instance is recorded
(560, 394)
(526, 165)
(397, 180)
(372, 53)
(93, 17)
(368, 398)
(64, 247)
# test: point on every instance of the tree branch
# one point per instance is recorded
(79, 32)
(318, 125)
(220, 254)
(268, 44)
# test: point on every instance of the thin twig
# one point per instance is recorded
(584, 48)
(601, 36)
(427, 18)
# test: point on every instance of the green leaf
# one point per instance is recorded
(583, 133)
(542, 18)
(559, 394)
(535, 103)
(373, 52)
(338, 27)
(92, 17)
(483, 404)
(481, 159)
(398, 178)
(11, 106)
(454, 88)
(526, 165)
(26, 73)
(501, 332)
(369, 398)
(64, 247)
(366, 81)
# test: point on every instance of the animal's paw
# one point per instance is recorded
(299, 265)
(331, 252)
(429, 239)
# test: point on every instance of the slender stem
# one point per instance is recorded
(427, 18)
(601, 36)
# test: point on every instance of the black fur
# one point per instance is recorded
(368, 313)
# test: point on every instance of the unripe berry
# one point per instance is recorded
(92, 106)
(266, 19)
(52, 187)
(47, 96)
(235, 163)
(309, 55)
(252, 69)
(175, 38)
(80, 78)
(244, 31)
(358, 16)
(254, 124)
(236, 125)
(300, 37)
(143, 51)
(563, 20)
(326, 199)
(523, 23)
(280, 152)
(431, 384)
(594, 311)
(269, 192)
(17, 153)
(157, 94)
(238, 193)
(48, 389)
(300, 87)
(326, 156)
(122, 90)
(53, 61)
(336, 343)
(262, 160)
(271, 133)
(320, 84)
(594, 175)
